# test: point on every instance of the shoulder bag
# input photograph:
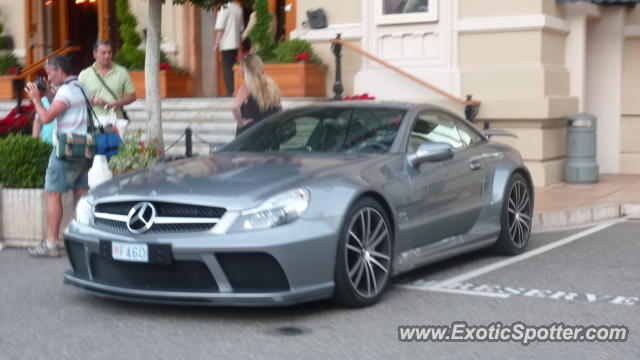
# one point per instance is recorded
(124, 113)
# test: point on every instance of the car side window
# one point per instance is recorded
(304, 127)
(468, 135)
(432, 126)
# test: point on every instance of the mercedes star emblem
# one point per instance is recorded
(141, 217)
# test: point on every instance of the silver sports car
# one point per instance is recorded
(314, 202)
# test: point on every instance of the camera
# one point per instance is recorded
(41, 83)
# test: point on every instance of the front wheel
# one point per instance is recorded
(515, 219)
(364, 255)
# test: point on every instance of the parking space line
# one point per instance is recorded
(500, 264)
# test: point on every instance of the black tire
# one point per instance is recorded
(363, 259)
(516, 217)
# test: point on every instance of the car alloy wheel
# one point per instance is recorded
(367, 253)
(517, 209)
(519, 213)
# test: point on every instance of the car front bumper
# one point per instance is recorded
(284, 265)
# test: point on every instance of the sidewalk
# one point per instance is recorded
(564, 205)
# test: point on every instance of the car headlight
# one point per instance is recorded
(84, 210)
(278, 210)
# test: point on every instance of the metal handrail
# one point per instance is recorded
(404, 73)
(472, 107)
(37, 66)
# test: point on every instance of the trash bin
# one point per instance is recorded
(581, 166)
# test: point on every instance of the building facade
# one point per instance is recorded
(530, 62)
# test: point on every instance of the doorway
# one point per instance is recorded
(56, 24)
(83, 32)
(285, 14)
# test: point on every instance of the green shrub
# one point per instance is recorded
(8, 60)
(134, 154)
(129, 55)
(260, 35)
(23, 161)
(287, 50)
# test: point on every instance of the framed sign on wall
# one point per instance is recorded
(406, 11)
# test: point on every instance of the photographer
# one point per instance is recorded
(44, 131)
(69, 109)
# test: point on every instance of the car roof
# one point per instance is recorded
(370, 104)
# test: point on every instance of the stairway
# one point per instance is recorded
(210, 119)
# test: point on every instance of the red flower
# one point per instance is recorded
(165, 66)
(303, 56)
(13, 70)
(364, 96)
(141, 143)
(15, 120)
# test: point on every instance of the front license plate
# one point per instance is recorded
(130, 252)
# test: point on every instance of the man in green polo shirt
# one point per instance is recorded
(109, 83)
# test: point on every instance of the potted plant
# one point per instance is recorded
(135, 154)
(9, 67)
(292, 64)
(174, 81)
(23, 220)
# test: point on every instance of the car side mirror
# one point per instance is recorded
(430, 152)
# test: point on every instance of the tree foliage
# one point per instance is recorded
(129, 55)
(260, 34)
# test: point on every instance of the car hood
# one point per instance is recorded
(232, 180)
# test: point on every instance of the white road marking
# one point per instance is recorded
(455, 291)
(504, 292)
(500, 264)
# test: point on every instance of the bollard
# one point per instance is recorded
(581, 166)
(188, 142)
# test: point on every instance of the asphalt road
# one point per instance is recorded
(40, 318)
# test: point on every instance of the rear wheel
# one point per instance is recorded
(517, 210)
(364, 256)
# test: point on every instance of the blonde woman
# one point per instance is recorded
(258, 97)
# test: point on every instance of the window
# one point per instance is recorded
(406, 11)
(333, 130)
(433, 126)
(468, 134)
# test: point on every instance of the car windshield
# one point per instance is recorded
(333, 130)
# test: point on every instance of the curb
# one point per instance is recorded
(559, 219)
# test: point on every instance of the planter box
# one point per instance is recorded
(294, 80)
(172, 84)
(6, 88)
(24, 218)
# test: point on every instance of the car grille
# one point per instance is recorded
(163, 209)
(177, 276)
(170, 217)
(253, 272)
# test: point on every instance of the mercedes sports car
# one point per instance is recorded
(323, 201)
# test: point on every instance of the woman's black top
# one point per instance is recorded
(250, 110)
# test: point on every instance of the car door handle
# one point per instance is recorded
(475, 164)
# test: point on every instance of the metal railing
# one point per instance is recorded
(471, 106)
(19, 81)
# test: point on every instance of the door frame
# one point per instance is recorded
(35, 31)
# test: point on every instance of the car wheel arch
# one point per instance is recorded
(382, 201)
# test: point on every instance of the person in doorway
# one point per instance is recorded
(69, 109)
(229, 27)
(109, 83)
(258, 97)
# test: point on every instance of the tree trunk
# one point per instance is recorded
(151, 71)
